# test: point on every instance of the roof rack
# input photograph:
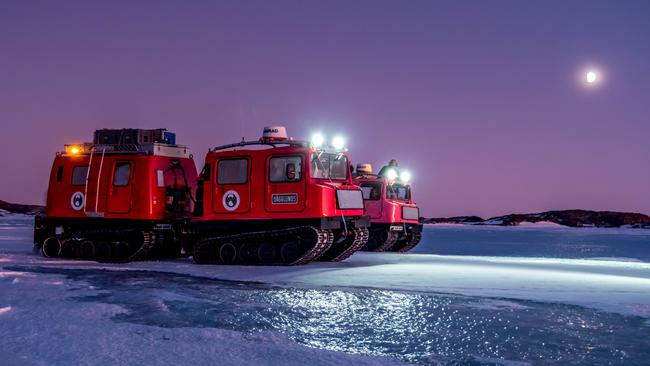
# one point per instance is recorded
(121, 148)
(155, 148)
(273, 144)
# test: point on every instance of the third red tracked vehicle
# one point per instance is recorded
(394, 216)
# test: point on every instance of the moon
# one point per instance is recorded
(591, 77)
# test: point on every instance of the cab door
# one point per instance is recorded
(121, 187)
(232, 186)
(285, 183)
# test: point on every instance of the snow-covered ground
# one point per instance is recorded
(374, 308)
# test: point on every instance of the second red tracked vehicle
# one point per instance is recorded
(277, 201)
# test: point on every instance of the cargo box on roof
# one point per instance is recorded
(128, 136)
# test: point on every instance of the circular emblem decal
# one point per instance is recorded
(77, 201)
(230, 200)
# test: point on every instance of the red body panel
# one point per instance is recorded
(380, 207)
(304, 199)
(136, 195)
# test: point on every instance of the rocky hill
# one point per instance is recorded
(572, 218)
(6, 207)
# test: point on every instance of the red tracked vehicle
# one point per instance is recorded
(277, 201)
(394, 216)
(126, 196)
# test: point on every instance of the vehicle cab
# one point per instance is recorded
(277, 178)
(276, 183)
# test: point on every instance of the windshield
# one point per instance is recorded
(329, 166)
(398, 191)
(371, 190)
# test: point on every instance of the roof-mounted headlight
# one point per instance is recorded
(391, 174)
(317, 140)
(338, 142)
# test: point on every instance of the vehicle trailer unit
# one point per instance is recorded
(122, 200)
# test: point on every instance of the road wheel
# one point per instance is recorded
(87, 249)
(248, 253)
(289, 252)
(227, 253)
(51, 247)
(103, 251)
(266, 253)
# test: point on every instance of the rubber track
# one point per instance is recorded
(361, 236)
(389, 243)
(415, 239)
(110, 237)
(324, 241)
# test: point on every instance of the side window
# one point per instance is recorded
(285, 169)
(160, 178)
(320, 166)
(390, 192)
(121, 174)
(59, 173)
(398, 191)
(232, 171)
(339, 167)
(371, 191)
(403, 193)
(79, 174)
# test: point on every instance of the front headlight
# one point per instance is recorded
(410, 213)
(349, 199)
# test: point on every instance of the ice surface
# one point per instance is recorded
(374, 308)
(5, 310)
(539, 224)
(536, 241)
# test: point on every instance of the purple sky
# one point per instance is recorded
(479, 99)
